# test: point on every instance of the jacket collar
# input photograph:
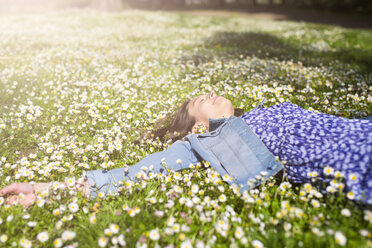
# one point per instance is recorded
(215, 123)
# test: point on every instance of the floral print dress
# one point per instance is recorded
(317, 145)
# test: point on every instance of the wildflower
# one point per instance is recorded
(56, 212)
(128, 184)
(176, 228)
(137, 210)
(331, 189)
(350, 195)
(222, 198)
(152, 200)
(287, 226)
(108, 232)
(338, 174)
(177, 176)
(328, 170)
(315, 203)
(101, 194)
(364, 232)
(159, 213)
(316, 231)
(264, 173)
(312, 174)
(121, 240)
(199, 244)
(68, 235)
(104, 165)
(114, 240)
(368, 216)
(73, 207)
(70, 181)
(194, 188)
(114, 228)
(31, 223)
(58, 242)
(186, 244)
(257, 244)
(154, 234)
(340, 186)
(93, 219)
(284, 186)
(131, 212)
(340, 238)
(285, 204)
(239, 233)
(227, 178)
(40, 202)
(189, 203)
(25, 243)
(102, 241)
(43, 236)
(3, 238)
(182, 200)
(346, 212)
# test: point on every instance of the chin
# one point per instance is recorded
(227, 106)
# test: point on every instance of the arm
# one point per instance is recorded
(177, 157)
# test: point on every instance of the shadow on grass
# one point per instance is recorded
(232, 45)
(292, 12)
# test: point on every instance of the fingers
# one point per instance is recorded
(13, 188)
(27, 200)
(11, 200)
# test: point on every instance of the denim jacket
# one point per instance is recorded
(230, 147)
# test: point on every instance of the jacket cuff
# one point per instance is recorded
(101, 181)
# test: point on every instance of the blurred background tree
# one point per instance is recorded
(360, 6)
(107, 5)
(349, 6)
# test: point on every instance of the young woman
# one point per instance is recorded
(245, 150)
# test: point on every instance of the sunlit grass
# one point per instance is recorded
(77, 88)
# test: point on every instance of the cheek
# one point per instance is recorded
(204, 112)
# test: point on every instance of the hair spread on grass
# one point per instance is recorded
(175, 126)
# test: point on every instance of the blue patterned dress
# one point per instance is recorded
(309, 141)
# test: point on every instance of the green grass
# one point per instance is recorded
(79, 74)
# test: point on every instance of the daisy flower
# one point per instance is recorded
(154, 234)
(42, 237)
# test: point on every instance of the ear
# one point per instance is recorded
(200, 127)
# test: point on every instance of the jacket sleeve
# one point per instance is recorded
(177, 157)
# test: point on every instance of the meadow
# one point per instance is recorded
(78, 87)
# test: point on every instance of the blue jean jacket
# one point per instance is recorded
(230, 147)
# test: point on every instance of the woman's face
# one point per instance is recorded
(210, 106)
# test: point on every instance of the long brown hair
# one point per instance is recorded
(176, 126)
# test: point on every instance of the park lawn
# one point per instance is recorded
(78, 87)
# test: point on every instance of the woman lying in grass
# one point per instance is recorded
(246, 150)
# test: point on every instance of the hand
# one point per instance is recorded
(29, 196)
